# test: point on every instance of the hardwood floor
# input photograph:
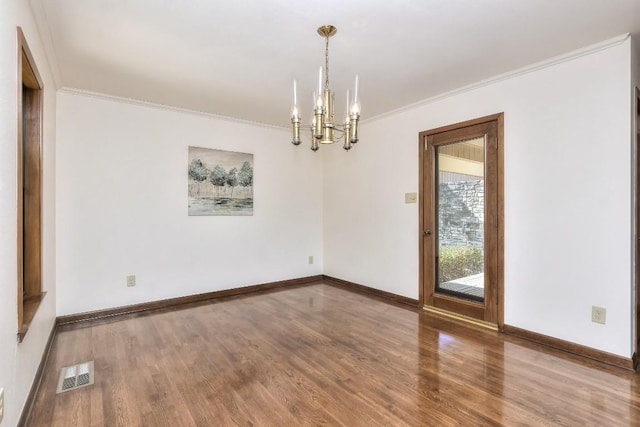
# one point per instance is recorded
(321, 355)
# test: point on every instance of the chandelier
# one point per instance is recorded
(323, 128)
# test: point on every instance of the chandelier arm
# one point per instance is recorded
(339, 128)
(336, 128)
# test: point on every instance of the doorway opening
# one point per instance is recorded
(29, 161)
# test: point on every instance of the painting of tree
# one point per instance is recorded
(245, 177)
(218, 177)
(220, 182)
(232, 179)
(198, 172)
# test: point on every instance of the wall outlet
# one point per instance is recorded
(131, 281)
(310, 259)
(1, 404)
(598, 314)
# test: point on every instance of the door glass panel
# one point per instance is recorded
(460, 212)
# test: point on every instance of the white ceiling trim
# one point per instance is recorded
(615, 41)
(165, 107)
(46, 39)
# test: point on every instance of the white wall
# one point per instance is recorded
(568, 211)
(635, 68)
(122, 206)
(19, 362)
(635, 83)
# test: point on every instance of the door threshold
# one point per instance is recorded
(460, 317)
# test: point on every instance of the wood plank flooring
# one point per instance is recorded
(321, 355)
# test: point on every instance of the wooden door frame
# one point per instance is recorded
(636, 234)
(422, 292)
(29, 186)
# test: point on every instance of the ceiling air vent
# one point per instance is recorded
(76, 376)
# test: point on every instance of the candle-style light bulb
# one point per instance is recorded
(317, 115)
(295, 117)
(319, 93)
(346, 110)
(355, 115)
(355, 107)
(295, 113)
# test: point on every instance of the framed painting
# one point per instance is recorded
(220, 182)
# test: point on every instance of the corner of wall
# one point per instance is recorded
(109, 225)
(20, 362)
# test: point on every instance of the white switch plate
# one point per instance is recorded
(131, 281)
(410, 197)
(310, 259)
(1, 404)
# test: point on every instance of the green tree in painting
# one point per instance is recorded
(245, 176)
(218, 177)
(232, 179)
(199, 173)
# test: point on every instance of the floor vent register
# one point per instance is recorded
(76, 376)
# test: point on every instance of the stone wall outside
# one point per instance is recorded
(461, 213)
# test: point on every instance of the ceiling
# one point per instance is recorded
(238, 58)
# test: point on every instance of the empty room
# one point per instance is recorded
(338, 213)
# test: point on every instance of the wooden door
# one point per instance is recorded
(461, 220)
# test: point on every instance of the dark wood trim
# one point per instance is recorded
(500, 213)
(171, 302)
(472, 309)
(36, 82)
(573, 348)
(37, 380)
(467, 123)
(636, 236)
(32, 196)
(377, 293)
(30, 307)
(422, 169)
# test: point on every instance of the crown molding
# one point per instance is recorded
(550, 62)
(46, 40)
(149, 104)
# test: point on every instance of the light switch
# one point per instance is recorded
(410, 197)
